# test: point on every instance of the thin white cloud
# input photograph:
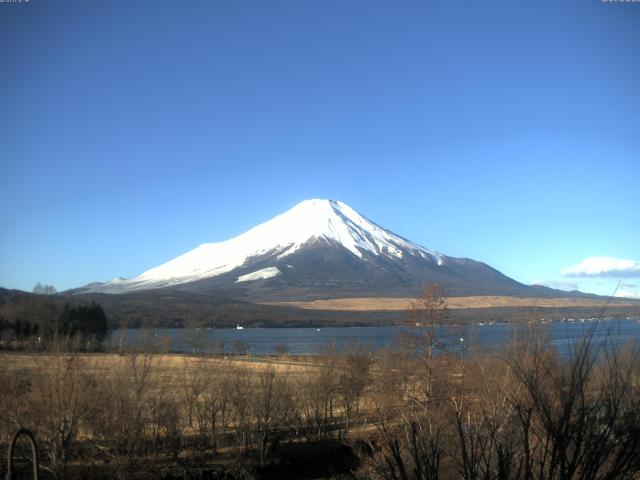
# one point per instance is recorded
(628, 293)
(603, 267)
(558, 284)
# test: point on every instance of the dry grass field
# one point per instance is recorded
(398, 304)
(170, 367)
(362, 415)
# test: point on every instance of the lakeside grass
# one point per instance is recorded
(166, 365)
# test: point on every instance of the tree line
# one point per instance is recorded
(30, 322)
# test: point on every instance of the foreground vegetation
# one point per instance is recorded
(404, 413)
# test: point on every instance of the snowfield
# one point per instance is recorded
(309, 221)
(268, 272)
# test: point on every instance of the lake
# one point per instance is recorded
(316, 340)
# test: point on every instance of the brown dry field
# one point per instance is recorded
(399, 304)
(167, 366)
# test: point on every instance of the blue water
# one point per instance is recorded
(562, 335)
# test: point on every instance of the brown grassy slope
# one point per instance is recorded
(398, 304)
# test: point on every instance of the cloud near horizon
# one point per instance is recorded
(557, 284)
(603, 267)
(625, 293)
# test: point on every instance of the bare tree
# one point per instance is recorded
(213, 400)
(427, 312)
(582, 416)
(407, 442)
(191, 387)
(317, 392)
(430, 308)
(240, 400)
(353, 377)
(281, 349)
(122, 412)
(272, 408)
(44, 289)
(241, 347)
(64, 391)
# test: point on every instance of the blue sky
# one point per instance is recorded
(507, 132)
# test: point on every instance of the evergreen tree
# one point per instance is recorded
(88, 321)
(96, 321)
(17, 328)
(26, 329)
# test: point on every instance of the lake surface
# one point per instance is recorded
(313, 340)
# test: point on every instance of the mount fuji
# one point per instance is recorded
(318, 249)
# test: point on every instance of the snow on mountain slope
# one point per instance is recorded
(268, 272)
(310, 220)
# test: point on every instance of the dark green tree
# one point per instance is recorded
(86, 321)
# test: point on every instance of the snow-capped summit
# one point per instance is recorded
(310, 221)
(328, 220)
(316, 245)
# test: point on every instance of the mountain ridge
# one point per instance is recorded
(319, 249)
